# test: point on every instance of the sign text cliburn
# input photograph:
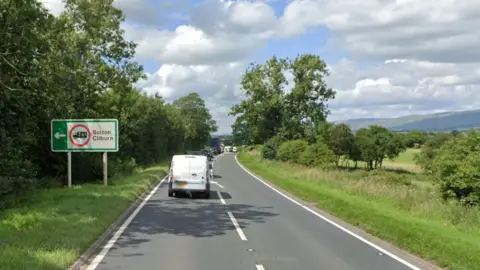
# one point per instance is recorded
(84, 135)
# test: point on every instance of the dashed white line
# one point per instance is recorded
(259, 267)
(391, 255)
(237, 226)
(93, 265)
(221, 198)
(216, 183)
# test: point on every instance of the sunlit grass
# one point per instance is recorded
(404, 208)
(53, 229)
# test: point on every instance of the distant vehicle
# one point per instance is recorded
(215, 143)
(228, 149)
(189, 174)
(234, 149)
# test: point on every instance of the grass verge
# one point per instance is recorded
(399, 208)
(57, 225)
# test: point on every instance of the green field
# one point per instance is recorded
(407, 157)
(53, 229)
(403, 209)
(405, 161)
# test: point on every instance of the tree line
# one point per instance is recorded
(290, 122)
(76, 66)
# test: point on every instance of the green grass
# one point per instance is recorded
(407, 157)
(403, 209)
(56, 226)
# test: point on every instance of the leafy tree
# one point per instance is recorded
(427, 155)
(355, 154)
(305, 106)
(340, 141)
(242, 132)
(319, 132)
(269, 109)
(78, 65)
(413, 138)
(197, 120)
(457, 166)
(375, 143)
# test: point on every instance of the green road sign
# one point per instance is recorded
(84, 135)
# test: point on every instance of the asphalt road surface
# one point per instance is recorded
(245, 225)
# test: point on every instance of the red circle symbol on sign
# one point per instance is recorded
(79, 135)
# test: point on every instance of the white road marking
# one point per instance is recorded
(391, 255)
(93, 265)
(259, 267)
(216, 183)
(237, 227)
(221, 197)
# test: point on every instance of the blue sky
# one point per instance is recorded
(387, 58)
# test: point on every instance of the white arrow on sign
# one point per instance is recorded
(58, 135)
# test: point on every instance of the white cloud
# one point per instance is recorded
(426, 52)
(431, 30)
(403, 87)
(220, 32)
(218, 85)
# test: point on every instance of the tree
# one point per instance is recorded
(457, 166)
(375, 143)
(269, 109)
(262, 110)
(241, 131)
(414, 138)
(427, 155)
(76, 65)
(305, 106)
(197, 120)
(340, 141)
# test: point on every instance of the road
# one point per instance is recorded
(245, 225)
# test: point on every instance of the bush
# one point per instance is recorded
(121, 167)
(317, 155)
(389, 177)
(14, 189)
(291, 150)
(457, 166)
(269, 149)
(257, 147)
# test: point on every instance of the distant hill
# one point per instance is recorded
(430, 122)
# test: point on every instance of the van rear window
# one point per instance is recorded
(190, 164)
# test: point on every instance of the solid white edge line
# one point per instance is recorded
(237, 226)
(98, 259)
(259, 267)
(221, 198)
(391, 255)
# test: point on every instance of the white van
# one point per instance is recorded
(234, 149)
(190, 174)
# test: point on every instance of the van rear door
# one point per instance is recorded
(191, 169)
(198, 170)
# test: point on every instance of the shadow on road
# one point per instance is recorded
(217, 176)
(186, 217)
(213, 196)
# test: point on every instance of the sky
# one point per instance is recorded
(387, 58)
